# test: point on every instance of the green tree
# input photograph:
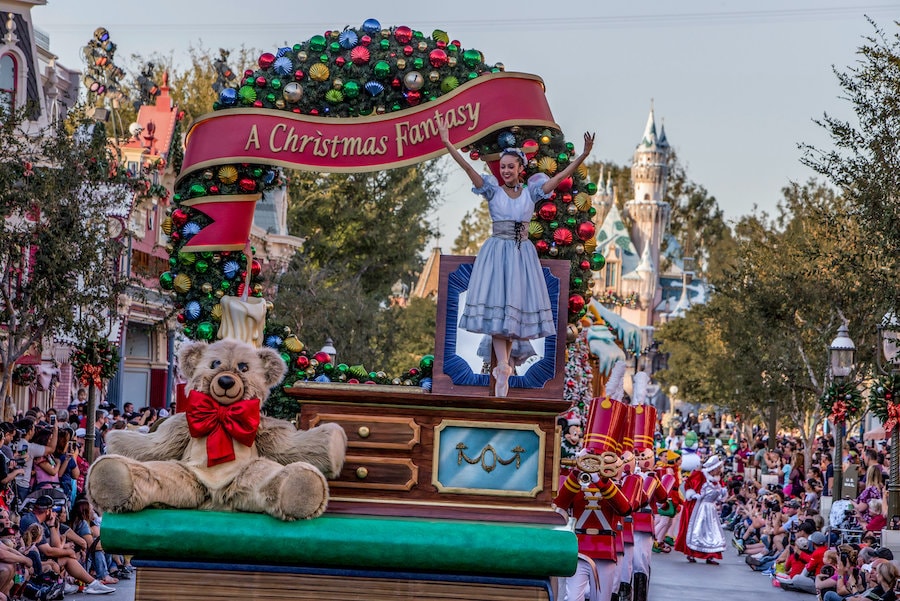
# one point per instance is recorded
(765, 333)
(361, 232)
(407, 334)
(60, 274)
(865, 160)
(474, 229)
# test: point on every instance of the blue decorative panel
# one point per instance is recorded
(498, 459)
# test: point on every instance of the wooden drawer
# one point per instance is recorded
(371, 432)
(377, 473)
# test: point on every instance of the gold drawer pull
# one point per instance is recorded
(364, 431)
(361, 473)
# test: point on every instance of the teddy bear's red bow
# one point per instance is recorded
(222, 423)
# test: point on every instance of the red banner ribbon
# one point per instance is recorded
(491, 102)
(232, 218)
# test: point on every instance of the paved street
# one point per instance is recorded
(124, 592)
(674, 579)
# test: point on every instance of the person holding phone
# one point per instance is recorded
(29, 452)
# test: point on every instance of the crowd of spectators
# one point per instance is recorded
(50, 539)
(774, 509)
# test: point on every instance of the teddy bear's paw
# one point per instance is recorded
(301, 492)
(334, 440)
(111, 485)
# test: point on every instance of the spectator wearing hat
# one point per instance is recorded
(805, 580)
(52, 545)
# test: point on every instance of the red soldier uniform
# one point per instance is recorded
(596, 502)
(653, 493)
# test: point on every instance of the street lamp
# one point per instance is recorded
(329, 349)
(842, 352)
(889, 346)
(673, 390)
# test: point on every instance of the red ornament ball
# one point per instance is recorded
(255, 267)
(408, 50)
(258, 104)
(322, 357)
(530, 148)
(547, 211)
(413, 97)
(302, 361)
(576, 303)
(247, 184)
(179, 217)
(365, 40)
(298, 74)
(214, 189)
(438, 58)
(586, 230)
(340, 61)
(474, 155)
(541, 246)
(585, 264)
(563, 236)
(261, 81)
(565, 185)
(403, 34)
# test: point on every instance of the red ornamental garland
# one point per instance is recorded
(883, 402)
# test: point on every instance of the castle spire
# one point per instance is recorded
(650, 138)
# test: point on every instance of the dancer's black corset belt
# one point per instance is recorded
(510, 230)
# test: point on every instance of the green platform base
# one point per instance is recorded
(357, 542)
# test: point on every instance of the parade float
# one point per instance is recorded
(446, 490)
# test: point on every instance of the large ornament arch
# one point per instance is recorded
(358, 99)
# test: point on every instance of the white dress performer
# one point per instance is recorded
(507, 298)
(704, 537)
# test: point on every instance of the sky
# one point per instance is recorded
(737, 84)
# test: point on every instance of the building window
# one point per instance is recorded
(611, 276)
(8, 76)
(138, 341)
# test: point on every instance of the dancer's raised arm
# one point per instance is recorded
(476, 178)
(550, 185)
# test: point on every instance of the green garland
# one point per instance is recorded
(24, 375)
(884, 402)
(842, 401)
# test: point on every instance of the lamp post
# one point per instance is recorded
(889, 348)
(842, 352)
(329, 349)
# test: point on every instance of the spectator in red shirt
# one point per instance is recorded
(805, 580)
(877, 521)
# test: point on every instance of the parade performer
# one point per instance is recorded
(631, 485)
(668, 464)
(507, 297)
(653, 488)
(700, 535)
(595, 502)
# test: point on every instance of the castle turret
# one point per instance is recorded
(648, 211)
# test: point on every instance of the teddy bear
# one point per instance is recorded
(220, 453)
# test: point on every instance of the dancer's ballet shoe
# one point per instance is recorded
(501, 377)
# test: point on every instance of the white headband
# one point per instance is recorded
(515, 152)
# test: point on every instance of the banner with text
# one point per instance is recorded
(267, 136)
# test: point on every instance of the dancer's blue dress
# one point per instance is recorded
(507, 294)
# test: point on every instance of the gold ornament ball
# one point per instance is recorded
(288, 332)
(338, 83)
(434, 76)
(571, 333)
(571, 209)
(302, 56)
(228, 174)
(206, 287)
(220, 293)
(292, 343)
(216, 259)
(413, 80)
(590, 245)
(423, 46)
(554, 251)
(170, 249)
(451, 61)
(379, 109)
(166, 226)
(385, 33)
(279, 104)
(319, 72)
(395, 381)
(500, 67)
(270, 306)
(579, 249)
(582, 171)
(335, 34)
(216, 312)
(401, 63)
(208, 174)
(257, 288)
(582, 201)
(545, 139)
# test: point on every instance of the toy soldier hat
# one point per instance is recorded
(644, 426)
(606, 419)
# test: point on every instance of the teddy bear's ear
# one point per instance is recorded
(273, 366)
(189, 358)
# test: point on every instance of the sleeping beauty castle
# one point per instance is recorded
(645, 280)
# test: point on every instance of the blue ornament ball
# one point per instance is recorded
(283, 65)
(228, 97)
(283, 50)
(273, 341)
(506, 140)
(371, 26)
(269, 177)
(374, 88)
(348, 39)
(190, 229)
(231, 269)
(426, 384)
(323, 379)
(192, 310)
